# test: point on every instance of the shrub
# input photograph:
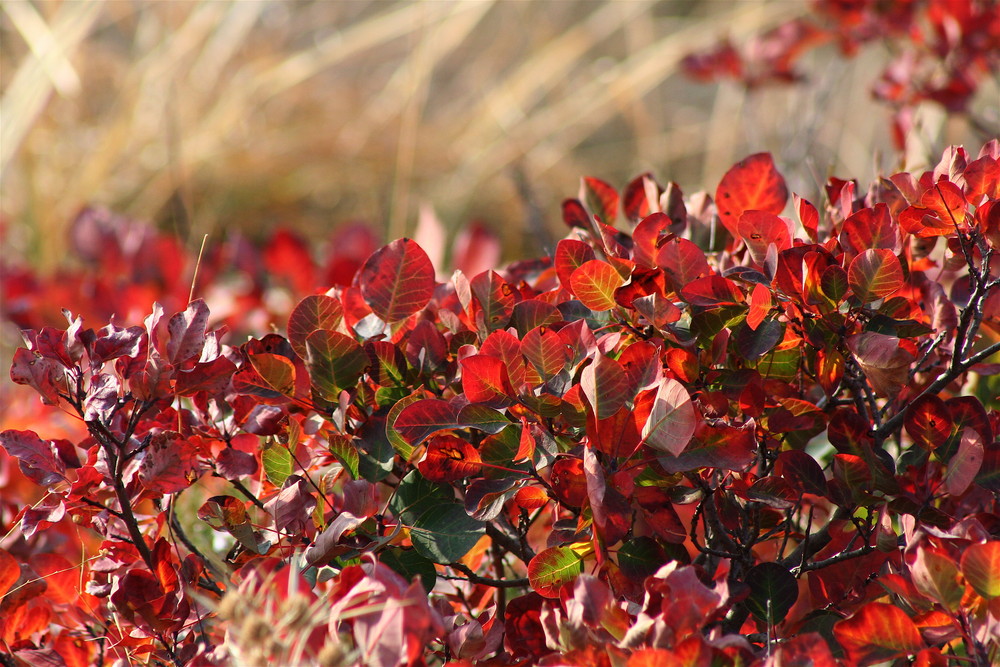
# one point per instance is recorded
(698, 432)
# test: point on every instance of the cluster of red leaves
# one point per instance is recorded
(943, 50)
(700, 433)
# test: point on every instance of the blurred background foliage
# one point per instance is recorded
(207, 116)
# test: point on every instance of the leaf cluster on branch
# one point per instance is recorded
(698, 433)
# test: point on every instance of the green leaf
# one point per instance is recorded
(553, 567)
(404, 448)
(773, 591)
(415, 495)
(344, 450)
(445, 533)
(640, 557)
(335, 362)
(277, 462)
(409, 563)
(375, 455)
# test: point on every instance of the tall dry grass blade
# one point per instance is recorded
(30, 88)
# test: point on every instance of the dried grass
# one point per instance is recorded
(209, 115)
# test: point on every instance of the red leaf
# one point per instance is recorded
(293, 505)
(495, 298)
(725, 447)
(647, 237)
(571, 255)
(712, 291)
(397, 280)
(805, 650)
(575, 215)
(37, 459)
(169, 463)
(875, 274)
(448, 459)
(884, 360)
(683, 261)
(808, 216)
(878, 632)
(594, 283)
(982, 179)
(870, 228)
(759, 230)
(277, 372)
(545, 351)
(318, 311)
(964, 465)
(752, 183)
(62, 577)
(484, 380)
(523, 628)
(212, 377)
(760, 305)
(601, 199)
(947, 201)
(187, 332)
(10, 572)
(924, 222)
(46, 376)
(636, 197)
(612, 514)
(531, 497)
(568, 481)
(928, 421)
(422, 418)
(935, 575)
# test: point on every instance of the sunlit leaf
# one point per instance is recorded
(760, 229)
(484, 380)
(878, 632)
(397, 280)
(448, 459)
(672, 421)
(711, 291)
(495, 298)
(980, 565)
(753, 183)
(601, 198)
(317, 311)
(422, 418)
(594, 283)
(875, 274)
(335, 362)
(551, 568)
(605, 385)
(277, 462)
(682, 261)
